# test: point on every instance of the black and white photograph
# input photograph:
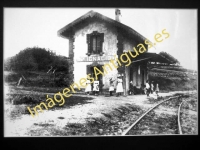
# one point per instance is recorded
(88, 72)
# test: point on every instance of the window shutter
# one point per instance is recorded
(98, 44)
(102, 37)
(101, 42)
(88, 41)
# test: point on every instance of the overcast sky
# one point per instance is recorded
(29, 27)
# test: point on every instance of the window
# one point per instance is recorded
(95, 42)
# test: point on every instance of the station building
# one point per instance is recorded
(95, 39)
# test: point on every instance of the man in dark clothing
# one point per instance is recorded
(131, 88)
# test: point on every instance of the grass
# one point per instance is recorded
(33, 79)
(178, 84)
(156, 124)
(21, 102)
(40, 89)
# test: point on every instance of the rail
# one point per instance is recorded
(127, 130)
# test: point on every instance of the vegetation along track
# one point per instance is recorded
(151, 123)
(188, 116)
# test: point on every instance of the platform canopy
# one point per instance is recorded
(152, 57)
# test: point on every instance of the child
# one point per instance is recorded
(96, 87)
(111, 88)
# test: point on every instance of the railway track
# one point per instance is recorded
(151, 109)
(188, 116)
(179, 119)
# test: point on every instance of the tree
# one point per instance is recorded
(36, 59)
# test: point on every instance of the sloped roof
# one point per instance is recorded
(66, 30)
(152, 57)
(169, 57)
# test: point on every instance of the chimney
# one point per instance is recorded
(117, 15)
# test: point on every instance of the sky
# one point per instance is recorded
(29, 27)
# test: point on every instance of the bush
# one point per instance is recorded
(26, 99)
(36, 59)
(12, 77)
(167, 84)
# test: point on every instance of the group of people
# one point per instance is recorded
(150, 88)
(95, 88)
(119, 87)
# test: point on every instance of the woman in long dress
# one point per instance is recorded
(119, 85)
(88, 87)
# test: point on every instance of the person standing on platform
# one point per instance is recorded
(152, 87)
(88, 89)
(147, 88)
(157, 89)
(111, 88)
(96, 87)
(131, 88)
(119, 85)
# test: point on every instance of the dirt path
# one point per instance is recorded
(74, 114)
